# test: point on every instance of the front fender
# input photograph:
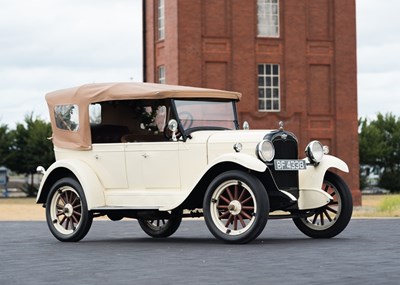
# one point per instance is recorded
(311, 195)
(91, 185)
(243, 159)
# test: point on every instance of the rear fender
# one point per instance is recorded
(91, 185)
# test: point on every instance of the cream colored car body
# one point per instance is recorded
(161, 175)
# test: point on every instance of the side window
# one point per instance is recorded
(128, 121)
(153, 118)
(67, 117)
(95, 114)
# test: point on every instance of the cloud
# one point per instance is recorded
(377, 22)
(378, 44)
(47, 45)
(380, 93)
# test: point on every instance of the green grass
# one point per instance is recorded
(390, 204)
(378, 206)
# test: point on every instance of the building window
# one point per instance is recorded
(161, 20)
(268, 88)
(161, 74)
(268, 18)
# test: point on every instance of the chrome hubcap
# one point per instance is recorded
(235, 207)
(68, 210)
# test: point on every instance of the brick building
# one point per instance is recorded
(293, 60)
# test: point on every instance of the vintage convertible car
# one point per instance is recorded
(158, 153)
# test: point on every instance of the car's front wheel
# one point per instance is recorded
(67, 213)
(236, 207)
(330, 220)
(162, 227)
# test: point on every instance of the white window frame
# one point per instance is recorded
(269, 93)
(161, 74)
(161, 19)
(268, 18)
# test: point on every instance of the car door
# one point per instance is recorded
(153, 166)
(109, 163)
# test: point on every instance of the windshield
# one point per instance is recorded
(206, 114)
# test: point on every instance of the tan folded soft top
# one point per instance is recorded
(84, 95)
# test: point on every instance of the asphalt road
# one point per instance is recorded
(367, 252)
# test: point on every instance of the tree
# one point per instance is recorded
(30, 148)
(379, 145)
(5, 144)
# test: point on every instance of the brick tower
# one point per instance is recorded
(293, 61)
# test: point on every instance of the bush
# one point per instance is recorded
(390, 180)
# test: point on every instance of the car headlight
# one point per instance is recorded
(265, 150)
(315, 152)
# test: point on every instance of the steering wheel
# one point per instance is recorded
(186, 119)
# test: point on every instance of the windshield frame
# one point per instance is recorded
(186, 133)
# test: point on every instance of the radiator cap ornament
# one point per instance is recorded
(281, 125)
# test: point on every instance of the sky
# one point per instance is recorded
(47, 45)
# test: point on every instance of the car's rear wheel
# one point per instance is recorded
(67, 213)
(330, 220)
(236, 207)
(162, 227)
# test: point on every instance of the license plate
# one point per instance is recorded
(289, 164)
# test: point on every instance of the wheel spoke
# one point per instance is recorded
(224, 199)
(241, 220)
(331, 210)
(74, 219)
(67, 198)
(74, 200)
(235, 223)
(242, 195)
(236, 194)
(224, 215)
(248, 207)
(229, 194)
(222, 207)
(76, 206)
(315, 219)
(62, 199)
(66, 223)
(229, 220)
(322, 219)
(247, 216)
(327, 216)
(247, 200)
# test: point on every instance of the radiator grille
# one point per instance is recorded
(285, 149)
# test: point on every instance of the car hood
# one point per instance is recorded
(222, 142)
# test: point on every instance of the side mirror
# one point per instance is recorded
(173, 127)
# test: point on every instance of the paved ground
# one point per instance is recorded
(368, 252)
